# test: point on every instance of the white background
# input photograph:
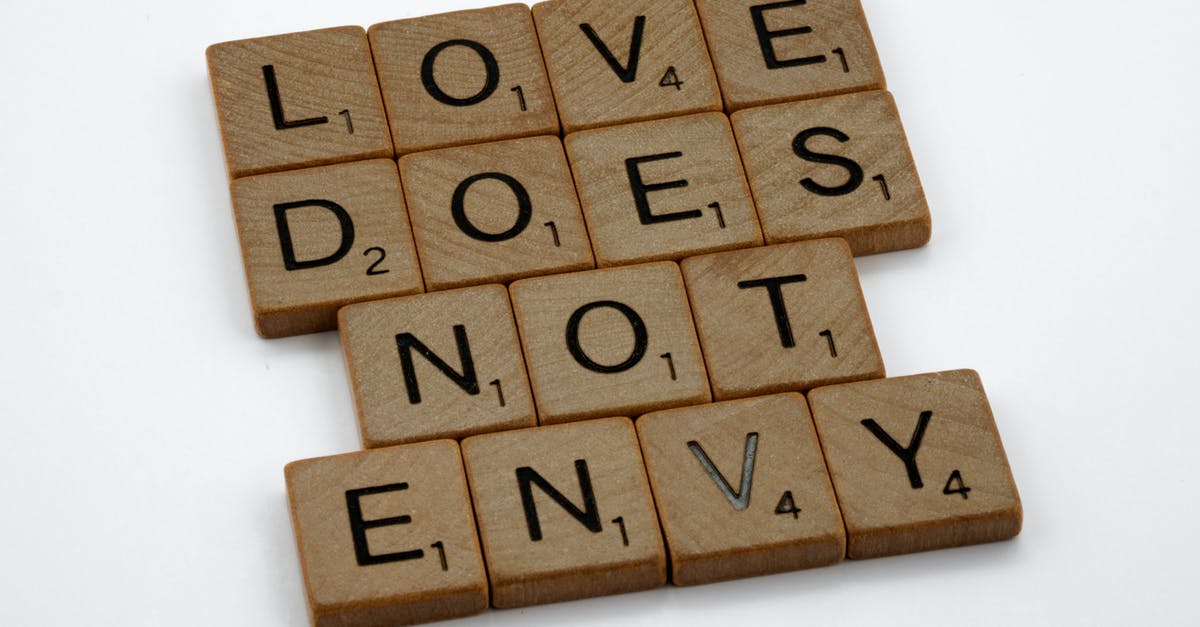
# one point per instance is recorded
(145, 427)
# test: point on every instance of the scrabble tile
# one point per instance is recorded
(463, 77)
(437, 365)
(741, 489)
(318, 239)
(387, 537)
(769, 52)
(835, 167)
(609, 342)
(782, 318)
(297, 101)
(663, 189)
(917, 463)
(493, 213)
(616, 61)
(564, 512)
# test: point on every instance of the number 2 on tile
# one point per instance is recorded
(374, 269)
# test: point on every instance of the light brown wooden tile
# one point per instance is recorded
(495, 212)
(741, 489)
(616, 61)
(387, 537)
(564, 512)
(917, 463)
(605, 342)
(297, 100)
(663, 189)
(437, 365)
(318, 239)
(835, 167)
(782, 318)
(769, 52)
(463, 77)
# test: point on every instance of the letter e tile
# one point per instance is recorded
(387, 537)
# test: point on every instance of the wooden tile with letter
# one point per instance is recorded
(564, 512)
(617, 61)
(387, 537)
(318, 239)
(464, 77)
(741, 489)
(297, 101)
(917, 463)
(609, 342)
(783, 318)
(438, 365)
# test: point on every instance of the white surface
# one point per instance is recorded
(145, 426)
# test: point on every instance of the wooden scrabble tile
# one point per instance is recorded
(387, 537)
(437, 365)
(495, 212)
(768, 52)
(609, 342)
(782, 318)
(298, 100)
(564, 512)
(741, 489)
(616, 61)
(834, 167)
(318, 239)
(917, 463)
(663, 189)
(464, 77)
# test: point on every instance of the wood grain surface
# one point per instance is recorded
(387, 537)
(781, 318)
(493, 213)
(741, 489)
(769, 52)
(601, 538)
(622, 72)
(954, 488)
(297, 101)
(609, 342)
(663, 189)
(437, 365)
(464, 77)
(318, 239)
(834, 167)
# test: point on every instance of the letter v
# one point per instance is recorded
(627, 73)
(740, 500)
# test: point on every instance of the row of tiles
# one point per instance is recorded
(320, 238)
(734, 489)
(343, 94)
(611, 342)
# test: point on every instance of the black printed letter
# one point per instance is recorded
(524, 208)
(906, 455)
(799, 146)
(281, 121)
(765, 36)
(588, 517)
(641, 189)
(628, 72)
(640, 337)
(740, 500)
(489, 64)
(359, 527)
(285, 234)
(467, 380)
(775, 291)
